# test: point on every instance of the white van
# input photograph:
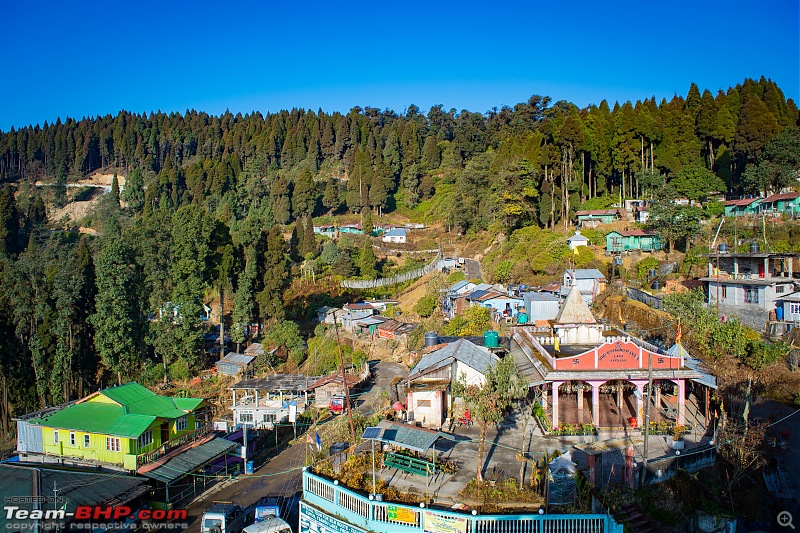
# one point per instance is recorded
(272, 524)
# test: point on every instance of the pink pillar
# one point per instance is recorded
(555, 402)
(580, 405)
(595, 401)
(640, 403)
(681, 402)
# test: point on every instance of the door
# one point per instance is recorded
(164, 432)
(761, 270)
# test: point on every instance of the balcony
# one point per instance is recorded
(167, 447)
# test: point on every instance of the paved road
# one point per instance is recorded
(384, 372)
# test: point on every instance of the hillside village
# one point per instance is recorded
(538, 318)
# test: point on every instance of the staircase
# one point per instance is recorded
(638, 521)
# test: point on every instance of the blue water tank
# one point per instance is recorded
(779, 312)
(249, 467)
(522, 318)
(491, 339)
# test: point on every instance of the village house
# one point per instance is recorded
(325, 231)
(326, 315)
(777, 204)
(595, 217)
(750, 285)
(428, 387)
(583, 361)
(637, 239)
(744, 206)
(590, 282)
(332, 385)
(541, 306)
(395, 235)
(235, 363)
(642, 214)
(264, 402)
(126, 427)
(577, 240)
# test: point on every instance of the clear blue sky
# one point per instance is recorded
(90, 58)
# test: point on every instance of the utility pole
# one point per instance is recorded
(643, 471)
(344, 382)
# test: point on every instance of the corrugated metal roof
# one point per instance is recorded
(139, 400)
(188, 460)
(458, 285)
(782, 196)
(100, 418)
(75, 487)
(587, 273)
(539, 297)
(352, 380)
(237, 359)
(409, 437)
(695, 364)
(462, 350)
(277, 382)
(396, 232)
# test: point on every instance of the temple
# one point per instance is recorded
(582, 363)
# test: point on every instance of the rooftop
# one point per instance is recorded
(277, 382)
(635, 233)
(132, 412)
(462, 350)
(575, 310)
(782, 196)
(586, 273)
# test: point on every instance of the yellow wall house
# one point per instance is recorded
(117, 425)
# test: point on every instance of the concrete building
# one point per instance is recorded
(638, 239)
(776, 204)
(395, 235)
(744, 206)
(595, 217)
(264, 402)
(749, 285)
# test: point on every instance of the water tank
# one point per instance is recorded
(722, 248)
(656, 285)
(522, 318)
(755, 248)
(491, 339)
(431, 338)
(651, 273)
(779, 312)
(249, 468)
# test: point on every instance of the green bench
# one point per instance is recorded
(408, 464)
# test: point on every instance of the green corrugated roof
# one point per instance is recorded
(138, 408)
(100, 418)
(142, 401)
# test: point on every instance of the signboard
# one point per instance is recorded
(314, 521)
(401, 514)
(385, 333)
(436, 523)
(618, 355)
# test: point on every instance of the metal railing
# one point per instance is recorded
(170, 445)
(361, 512)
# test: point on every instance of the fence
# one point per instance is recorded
(344, 504)
(647, 299)
(393, 280)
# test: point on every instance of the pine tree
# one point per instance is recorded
(309, 239)
(366, 261)
(270, 298)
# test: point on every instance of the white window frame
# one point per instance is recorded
(87, 441)
(113, 444)
(181, 423)
(55, 436)
(72, 438)
(248, 414)
(145, 439)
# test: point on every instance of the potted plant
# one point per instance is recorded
(676, 439)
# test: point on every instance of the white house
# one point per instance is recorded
(397, 235)
(428, 389)
(577, 240)
(589, 281)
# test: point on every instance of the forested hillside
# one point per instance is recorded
(206, 198)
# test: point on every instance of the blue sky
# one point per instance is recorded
(91, 58)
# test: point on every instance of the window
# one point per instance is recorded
(269, 418)
(246, 417)
(112, 444)
(423, 403)
(86, 441)
(55, 436)
(145, 439)
(180, 423)
(780, 289)
(72, 438)
(794, 309)
(751, 295)
(724, 292)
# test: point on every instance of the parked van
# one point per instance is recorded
(337, 405)
(223, 517)
(271, 524)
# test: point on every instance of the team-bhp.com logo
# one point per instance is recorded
(93, 517)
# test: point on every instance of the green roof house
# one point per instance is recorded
(788, 202)
(745, 206)
(125, 426)
(638, 239)
(592, 218)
